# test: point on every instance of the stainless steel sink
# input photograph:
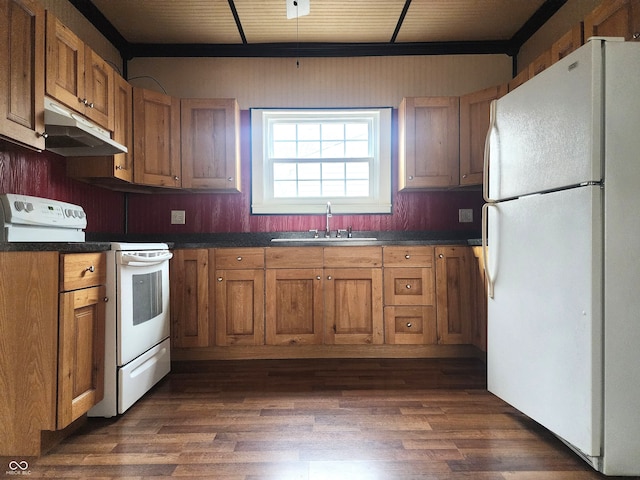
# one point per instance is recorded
(323, 239)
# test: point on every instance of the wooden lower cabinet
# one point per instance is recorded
(479, 296)
(453, 294)
(191, 299)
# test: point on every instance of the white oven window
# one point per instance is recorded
(147, 296)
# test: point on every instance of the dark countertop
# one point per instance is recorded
(100, 241)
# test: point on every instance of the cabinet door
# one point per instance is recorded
(22, 72)
(190, 303)
(294, 306)
(239, 307)
(479, 294)
(614, 18)
(453, 294)
(98, 90)
(210, 144)
(474, 125)
(65, 64)
(566, 44)
(353, 306)
(81, 341)
(540, 64)
(118, 167)
(156, 133)
(428, 142)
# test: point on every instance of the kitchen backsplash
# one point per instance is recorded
(43, 175)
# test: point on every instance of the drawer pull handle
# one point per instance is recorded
(239, 259)
(105, 299)
(90, 268)
(318, 277)
(409, 325)
(407, 256)
(328, 277)
(440, 256)
(408, 286)
(219, 279)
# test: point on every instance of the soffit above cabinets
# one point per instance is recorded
(332, 28)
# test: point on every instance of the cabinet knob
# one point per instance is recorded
(410, 177)
(239, 259)
(441, 256)
(90, 268)
(44, 135)
(318, 277)
(90, 105)
(408, 286)
(105, 299)
(219, 279)
(176, 178)
(464, 176)
(636, 36)
(119, 167)
(229, 179)
(407, 256)
(328, 277)
(409, 325)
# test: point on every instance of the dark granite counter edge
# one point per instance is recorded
(64, 247)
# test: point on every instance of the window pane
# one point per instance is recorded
(332, 149)
(357, 188)
(284, 171)
(309, 189)
(284, 131)
(357, 131)
(309, 171)
(358, 170)
(332, 131)
(309, 150)
(333, 188)
(284, 188)
(332, 171)
(309, 131)
(284, 149)
(357, 149)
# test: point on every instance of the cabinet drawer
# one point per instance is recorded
(410, 256)
(82, 270)
(352, 257)
(293, 257)
(409, 286)
(234, 258)
(410, 325)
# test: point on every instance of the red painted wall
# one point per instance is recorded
(210, 213)
(43, 175)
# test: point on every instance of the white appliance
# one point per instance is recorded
(25, 218)
(563, 219)
(137, 348)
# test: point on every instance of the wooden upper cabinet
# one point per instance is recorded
(210, 144)
(614, 18)
(111, 168)
(541, 63)
(428, 131)
(77, 76)
(566, 44)
(156, 133)
(519, 79)
(474, 125)
(22, 72)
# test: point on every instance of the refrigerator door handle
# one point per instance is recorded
(487, 270)
(487, 148)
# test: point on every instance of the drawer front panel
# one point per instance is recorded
(82, 270)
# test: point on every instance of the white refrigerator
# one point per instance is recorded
(561, 231)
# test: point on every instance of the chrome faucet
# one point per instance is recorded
(327, 231)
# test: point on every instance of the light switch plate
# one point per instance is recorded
(177, 217)
(465, 215)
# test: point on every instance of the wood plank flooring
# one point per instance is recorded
(317, 420)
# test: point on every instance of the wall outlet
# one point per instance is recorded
(465, 215)
(177, 217)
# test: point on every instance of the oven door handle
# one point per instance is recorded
(134, 260)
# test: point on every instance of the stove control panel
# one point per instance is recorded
(18, 209)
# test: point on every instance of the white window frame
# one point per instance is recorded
(263, 200)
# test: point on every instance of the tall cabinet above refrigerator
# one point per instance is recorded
(562, 234)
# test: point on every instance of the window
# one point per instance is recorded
(301, 159)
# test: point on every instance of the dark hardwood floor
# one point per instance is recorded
(316, 420)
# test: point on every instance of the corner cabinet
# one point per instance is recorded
(210, 139)
(428, 137)
(22, 30)
(474, 125)
(614, 18)
(156, 133)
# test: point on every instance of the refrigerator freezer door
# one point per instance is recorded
(545, 319)
(547, 132)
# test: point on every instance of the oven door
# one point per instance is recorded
(143, 301)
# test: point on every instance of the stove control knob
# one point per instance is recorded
(19, 206)
(29, 207)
